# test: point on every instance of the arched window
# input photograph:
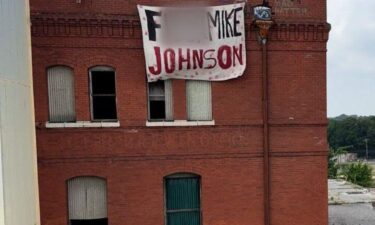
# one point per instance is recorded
(87, 201)
(61, 94)
(103, 93)
(182, 199)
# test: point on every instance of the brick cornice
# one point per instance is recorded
(300, 31)
(84, 25)
(128, 27)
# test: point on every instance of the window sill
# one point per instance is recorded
(83, 124)
(179, 123)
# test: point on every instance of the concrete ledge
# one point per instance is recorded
(179, 123)
(82, 124)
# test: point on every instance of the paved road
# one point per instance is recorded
(352, 214)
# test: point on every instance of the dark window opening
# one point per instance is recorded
(104, 107)
(156, 95)
(90, 222)
(103, 82)
(160, 101)
(103, 95)
(157, 110)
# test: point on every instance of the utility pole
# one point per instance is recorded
(366, 141)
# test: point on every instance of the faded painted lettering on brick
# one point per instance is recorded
(197, 43)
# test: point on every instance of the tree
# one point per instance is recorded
(351, 131)
(358, 173)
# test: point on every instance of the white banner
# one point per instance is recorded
(197, 43)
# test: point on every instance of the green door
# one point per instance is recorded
(183, 200)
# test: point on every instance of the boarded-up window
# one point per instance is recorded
(182, 193)
(61, 94)
(198, 100)
(160, 101)
(103, 93)
(87, 201)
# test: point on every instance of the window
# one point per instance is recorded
(103, 94)
(160, 106)
(198, 100)
(61, 94)
(87, 201)
(182, 193)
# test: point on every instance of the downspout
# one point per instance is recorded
(264, 27)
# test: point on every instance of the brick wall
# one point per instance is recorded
(229, 156)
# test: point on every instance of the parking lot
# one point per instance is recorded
(350, 204)
(352, 214)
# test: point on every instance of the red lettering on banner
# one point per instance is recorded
(225, 57)
(197, 58)
(169, 62)
(225, 62)
(237, 53)
(152, 69)
(181, 59)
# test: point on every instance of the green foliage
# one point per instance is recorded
(358, 173)
(351, 131)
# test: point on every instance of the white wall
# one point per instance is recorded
(18, 173)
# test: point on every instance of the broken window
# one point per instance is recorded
(61, 102)
(160, 100)
(198, 100)
(87, 201)
(103, 93)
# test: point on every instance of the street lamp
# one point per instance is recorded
(263, 11)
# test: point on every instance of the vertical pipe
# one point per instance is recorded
(264, 27)
(266, 163)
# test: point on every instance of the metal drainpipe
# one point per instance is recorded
(266, 162)
(264, 27)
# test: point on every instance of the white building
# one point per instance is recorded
(18, 171)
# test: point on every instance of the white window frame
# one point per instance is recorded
(165, 100)
(107, 69)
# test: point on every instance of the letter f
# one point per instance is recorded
(151, 25)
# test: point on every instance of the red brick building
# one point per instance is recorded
(124, 163)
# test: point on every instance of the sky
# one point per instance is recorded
(351, 57)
